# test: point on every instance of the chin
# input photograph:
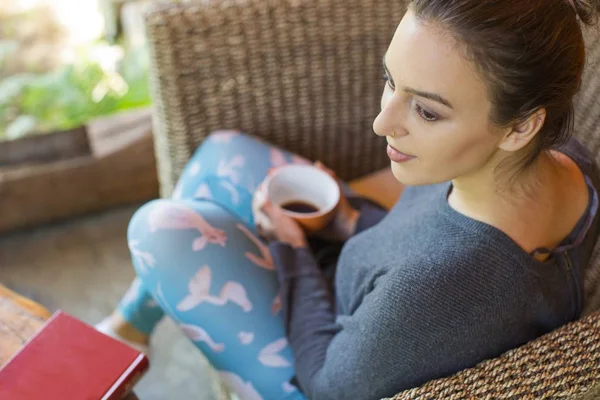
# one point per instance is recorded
(411, 176)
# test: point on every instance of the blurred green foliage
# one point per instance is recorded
(72, 94)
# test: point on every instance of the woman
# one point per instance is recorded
(484, 251)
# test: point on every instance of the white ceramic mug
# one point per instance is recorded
(308, 185)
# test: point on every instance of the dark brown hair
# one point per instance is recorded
(530, 54)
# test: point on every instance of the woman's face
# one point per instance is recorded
(435, 108)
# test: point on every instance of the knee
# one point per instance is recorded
(177, 221)
(171, 228)
(175, 215)
(139, 223)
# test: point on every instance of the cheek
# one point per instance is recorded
(467, 154)
(446, 155)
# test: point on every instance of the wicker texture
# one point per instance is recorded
(305, 75)
(564, 363)
(302, 74)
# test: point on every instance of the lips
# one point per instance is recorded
(397, 156)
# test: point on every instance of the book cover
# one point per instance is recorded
(70, 360)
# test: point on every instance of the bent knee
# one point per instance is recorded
(176, 215)
(170, 229)
(203, 218)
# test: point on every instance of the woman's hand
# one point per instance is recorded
(273, 224)
(281, 227)
(343, 225)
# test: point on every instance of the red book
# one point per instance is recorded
(70, 360)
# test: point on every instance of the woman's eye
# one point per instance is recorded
(387, 80)
(426, 115)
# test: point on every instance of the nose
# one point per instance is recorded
(390, 121)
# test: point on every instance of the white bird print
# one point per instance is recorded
(235, 196)
(237, 385)
(195, 169)
(266, 261)
(246, 337)
(203, 192)
(197, 334)
(227, 169)
(178, 216)
(224, 136)
(269, 354)
(144, 259)
(199, 287)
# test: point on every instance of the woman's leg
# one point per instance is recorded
(134, 318)
(226, 168)
(139, 308)
(216, 280)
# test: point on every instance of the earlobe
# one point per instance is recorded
(522, 133)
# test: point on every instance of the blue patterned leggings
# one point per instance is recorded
(198, 260)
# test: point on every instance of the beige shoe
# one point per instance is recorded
(106, 328)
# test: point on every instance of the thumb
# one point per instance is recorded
(322, 167)
(268, 208)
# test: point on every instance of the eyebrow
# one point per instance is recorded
(431, 96)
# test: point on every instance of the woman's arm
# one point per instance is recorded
(353, 357)
(409, 328)
(333, 360)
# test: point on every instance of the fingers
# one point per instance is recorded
(272, 210)
(271, 172)
(263, 226)
(268, 208)
(260, 229)
(322, 167)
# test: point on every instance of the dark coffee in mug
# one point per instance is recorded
(301, 207)
(305, 193)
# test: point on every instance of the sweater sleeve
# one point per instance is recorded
(401, 334)
(339, 357)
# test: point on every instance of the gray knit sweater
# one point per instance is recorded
(423, 293)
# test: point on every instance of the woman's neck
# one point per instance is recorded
(524, 206)
(495, 186)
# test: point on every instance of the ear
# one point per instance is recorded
(523, 132)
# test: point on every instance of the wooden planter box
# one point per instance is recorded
(119, 169)
(45, 147)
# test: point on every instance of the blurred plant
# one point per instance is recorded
(31, 38)
(103, 80)
(46, 85)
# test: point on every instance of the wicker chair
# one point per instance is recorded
(306, 75)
